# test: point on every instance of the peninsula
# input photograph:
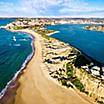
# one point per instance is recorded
(53, 76)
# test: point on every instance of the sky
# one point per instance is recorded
(52, 8)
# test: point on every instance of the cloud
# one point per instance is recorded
(72, 6)
(33, 8)
(80, 8)
(40, 7)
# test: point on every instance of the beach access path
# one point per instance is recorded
(37, 88)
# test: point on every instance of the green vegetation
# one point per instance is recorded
(43, 33)
(73, 79)
(78, 84)
(68, 78)
(69, 71)
(19, 27)
(37, 28)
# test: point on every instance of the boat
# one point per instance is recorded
(14, 38)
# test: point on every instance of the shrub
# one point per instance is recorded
(69, 71)
(78, 84)
(64, 82)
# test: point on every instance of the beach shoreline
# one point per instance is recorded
(41, 82)
(34, 84)
(9, 91)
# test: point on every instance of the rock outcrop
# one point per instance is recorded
(95, 87)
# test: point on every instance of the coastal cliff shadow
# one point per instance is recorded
(81, 60)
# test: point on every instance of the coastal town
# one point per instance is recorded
(52, 21)
(62, 63)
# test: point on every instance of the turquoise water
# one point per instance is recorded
(90, 42)
(14, 50)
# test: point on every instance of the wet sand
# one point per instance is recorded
(37, 88)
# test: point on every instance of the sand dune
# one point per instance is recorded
(37, 88)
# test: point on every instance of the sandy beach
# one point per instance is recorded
(49, 34)
(38, 88)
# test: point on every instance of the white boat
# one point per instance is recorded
(14, 38)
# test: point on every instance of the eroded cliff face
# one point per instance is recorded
(94, 86)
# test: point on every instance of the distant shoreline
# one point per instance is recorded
(99, 28)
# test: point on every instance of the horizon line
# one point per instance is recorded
(48, 17)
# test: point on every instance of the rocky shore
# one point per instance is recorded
(96, 28)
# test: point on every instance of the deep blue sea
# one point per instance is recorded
(90, 42)
(15, 47)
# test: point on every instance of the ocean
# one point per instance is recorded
(15, 49)
(89, 42)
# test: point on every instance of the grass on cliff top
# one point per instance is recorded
(74, 80)
(19, 27)
(71, 80)
(69, 71)
(42, 32)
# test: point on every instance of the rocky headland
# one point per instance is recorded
(96, 28)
